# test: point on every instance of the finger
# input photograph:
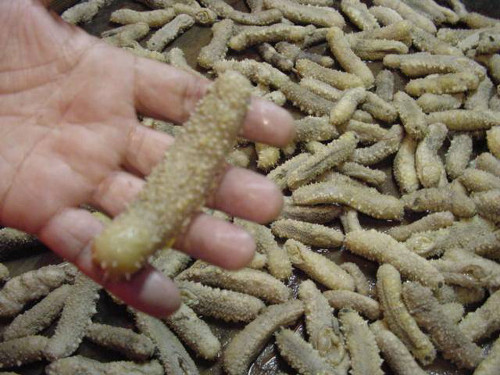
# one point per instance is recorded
(241, 193)
(70, 234)
(165, 92)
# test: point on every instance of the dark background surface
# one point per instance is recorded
(267, 363)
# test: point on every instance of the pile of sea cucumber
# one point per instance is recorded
(437, 284)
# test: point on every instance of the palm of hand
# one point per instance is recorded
(69, 135)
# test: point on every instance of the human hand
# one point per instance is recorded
(69, 135)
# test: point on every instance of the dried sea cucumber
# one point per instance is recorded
(249, 281)
(161, 38)
(493, 139)
(438, 103)
(458, 155)
(361, 344)
(364, 305)
(465, 120)
(314, 129)
(247, 344)
(433, 221)
(364, 199)
(22, 351)
(172, 355)
(397, 316)
(382, 248)
(262, 17)
(363, 173)
(203, 16)
(448, 338)
(379, 108)
(343, 110)
(475, 180)
(321, 326)
(361, 282)
(408, 14)
(341, 50)
(318, 214)
(267, 34)
(83, 365)
(308, 233)
(194, 332)
(154, 18)
(39, 316)
(170, 262)
(385, 16)
(381, 150)
(337, 79)
(412, 116)
(427, 42)
(450, 83)
(322, 89)
(226, 305)
(359, 15)
(300, 354)
(20, 290)
(267, 156)
(318, 267)
(404, 168)
(428, 163)
(13, 241)
(488, 204)
(78, 310)
(294, 53)
(304, 14)
(487, 162)
(139, 237)
(273, 57)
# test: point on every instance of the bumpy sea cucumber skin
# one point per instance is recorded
(451, 83)
(364, 199)
(381, 150)
(385, 16)
(267, 156)
(194, 332)
(172, 355)
(273, 57)
(476, 180)
(225, 10)
(83, 365)
(454, 310)
(404, 168)
(335, 153)
(493, 138)
(314, 129)
(139, 51)
(154, 18)
(428, 163)
(464, 120)
(458, 155)
(308, 233)
(400, 31)
(300, 354)
(384, 83)
(440, 199)
(359, 15)
(28, 287)
(202, 16)
(248, 343)
(361, 344)
(13, 240)
(395, 352)
(491, 364)
(368, 133)
(78, 310)
(267, 34)
(132, 345)
(280, 174)
(398, 318)
(126, 36)
(312, 214)
(159, 213)
(176, 58)
(484, 321)
(361, 282)
(294, 53)
(304, 14)
(81, 13)
(170, 262)
(448, 338)
(412, 116)
(376, 49)
(382, 248)
(364, 305)
(477, 21)
(39, 316)
(335, 78)
(360, 172)
(427, 42)
(161, 38)
(488, 204)
(343, 110)
(430, 222)
(249, 281)
(438, 103)
(479, 99)
(226, 305)
(278, 263)
(409, 14)
(321, 326)
(343, 53)
(318, 267)
(322, 89)
(488, 163)
(379, 108)
(21, 351)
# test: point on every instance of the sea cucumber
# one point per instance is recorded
(22, 351)
(379, 108)
(381, 150)
(382, 248)
(427, 42)
(308, 233)
(365, 174)
(487, 162)
(364, 305)
(361, 282)
(488, 204)
(154, 18)
(428, 163)
(451, 83)
(125, 244)
(464, 120)
(304, 14)
(343, 110)
(359, 15)
(322, 89)
(493, 139)
(491, 364)
(404, 168)
(170, 262)
(294, 53)
(408, 14)
(438, 103)
(412, 116)
(477, 180)
(314, 129)
(217, 48)
(224, 10)
(15, 241)
(84, 365)
(396, 315)
(267, 156)
(273, 57)
(267, 34)
(430, 222)
(453, 343)
(484, 321)
(384, 83)
(335, 78)
(317, 214)
(248, 343)
(385, 16)
(161, 38)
